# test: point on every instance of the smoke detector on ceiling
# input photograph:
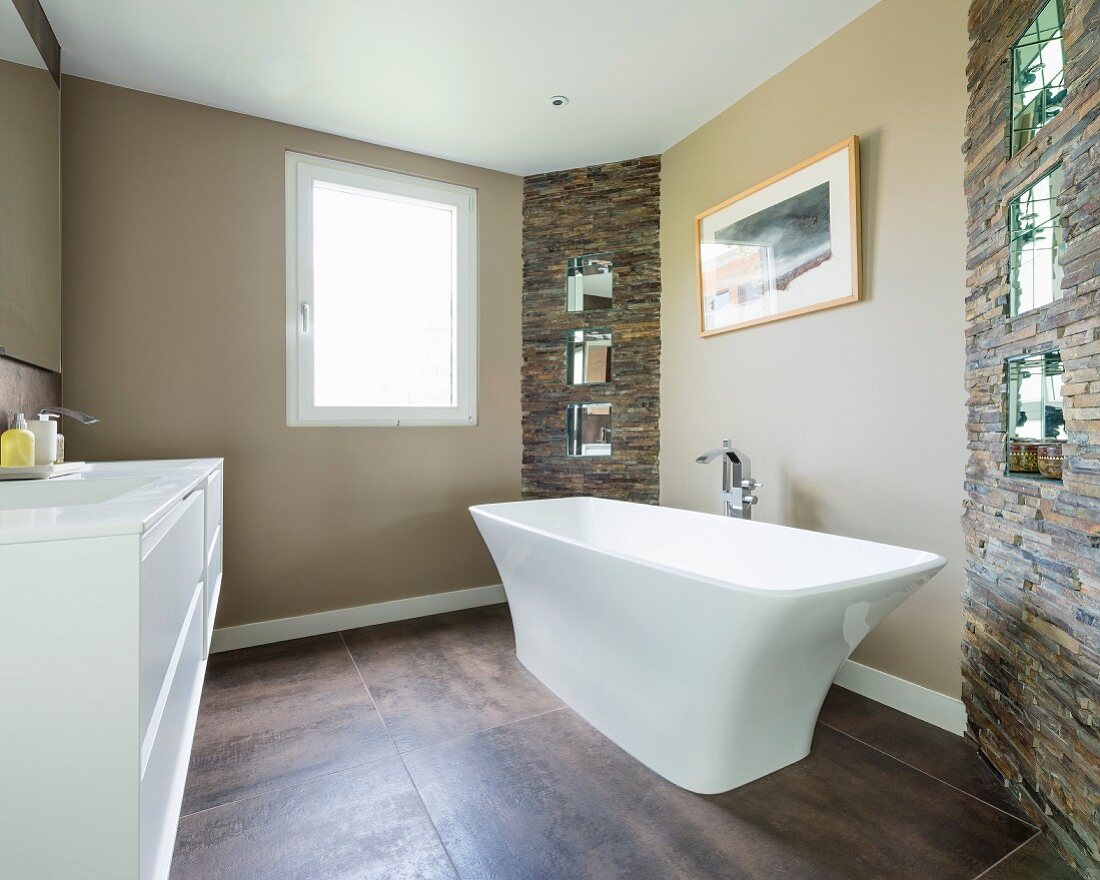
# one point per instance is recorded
(559, 100)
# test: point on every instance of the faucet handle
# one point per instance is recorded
(751, 484)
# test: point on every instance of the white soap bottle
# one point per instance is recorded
(45, 438)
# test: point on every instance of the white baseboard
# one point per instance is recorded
(267, 631)
(905, 696)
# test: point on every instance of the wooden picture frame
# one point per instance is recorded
(788, 246)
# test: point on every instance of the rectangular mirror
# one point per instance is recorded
(1035, 245)
(1036, 426)
(588, 282)
(588, 357)
(1038, 75)
(30, 198)
(588, 429)
(1035, 397)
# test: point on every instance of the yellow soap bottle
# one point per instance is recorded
(17, 444)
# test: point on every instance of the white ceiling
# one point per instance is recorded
(468, 80)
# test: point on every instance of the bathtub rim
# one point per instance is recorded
(931, 566)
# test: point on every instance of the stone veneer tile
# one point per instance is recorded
(1031, 651)
(26, 389)
(603, 208)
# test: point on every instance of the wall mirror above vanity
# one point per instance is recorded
(30, 194)
(589, 282)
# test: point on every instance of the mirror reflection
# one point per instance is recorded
(1035, 245)
(588, 357)
(588, 429)
(588, 282)
(30, 199)
(1036, 429)
(1038, 75)
(1035, 398)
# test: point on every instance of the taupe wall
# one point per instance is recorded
(174, 310)
(853, 416)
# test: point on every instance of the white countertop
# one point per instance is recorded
(149, 489)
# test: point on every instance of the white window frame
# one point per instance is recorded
(301, 171)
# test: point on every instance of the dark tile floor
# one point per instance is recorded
(422, 749)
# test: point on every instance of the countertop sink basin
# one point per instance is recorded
(33, 494)
(106, 498)
(96, 467)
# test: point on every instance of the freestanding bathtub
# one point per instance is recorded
(702, 645)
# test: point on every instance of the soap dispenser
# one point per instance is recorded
(45, 438)
(17, 444)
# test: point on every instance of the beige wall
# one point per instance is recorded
(853, 417)
(30, 217)
(174, 314)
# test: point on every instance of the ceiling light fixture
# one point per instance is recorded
(559, 100)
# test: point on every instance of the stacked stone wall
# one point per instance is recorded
(1031, 651)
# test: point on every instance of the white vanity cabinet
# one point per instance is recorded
(212, 575)
(109, 595)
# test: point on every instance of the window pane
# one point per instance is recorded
(384, 299)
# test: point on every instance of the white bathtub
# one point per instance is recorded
(701, 645)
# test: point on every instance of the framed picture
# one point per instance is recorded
(788, 246)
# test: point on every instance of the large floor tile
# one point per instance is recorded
(427, 703)
(366, 824)
(380, 651)
(943, 755)
(551, 798)
(1036, 860)
(293, 715)
(269, 742)
(312, 665)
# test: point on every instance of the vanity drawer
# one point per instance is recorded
(164, 767)
(213, 587)
(171, 566)
(213, 505)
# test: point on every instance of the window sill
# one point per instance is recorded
(384, 423)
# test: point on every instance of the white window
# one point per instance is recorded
(381, 312)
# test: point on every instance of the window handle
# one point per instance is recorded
(305, 317)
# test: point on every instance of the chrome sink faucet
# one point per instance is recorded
(81, 417)
(737, 482)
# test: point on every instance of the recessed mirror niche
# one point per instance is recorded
(1038, 76)
(1036, 426)
(588, 429)
(1035, 245)
(589, 282)
(588, 357)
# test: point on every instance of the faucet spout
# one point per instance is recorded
(708, 457)
(736, 479)
(82, 417)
